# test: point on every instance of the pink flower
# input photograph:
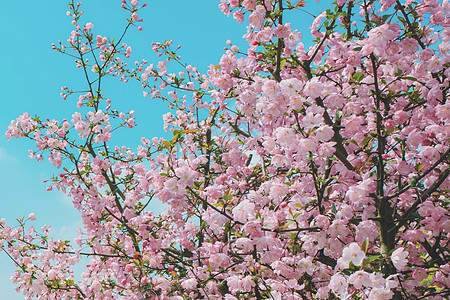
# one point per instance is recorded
(270, 88)
(225, 8)
(313, 88)
(244, 211)
(233, 283)
(88, 26)
(306, 145)
(244, 243)
(399, 258)
(380, 294)
(290, 86)
(281, 268)
(353, 253)
(249, 4)
(359, 279)
(379, 36)
(324, 133)
(338, 284)
(353, 124)
(312, 120)
(219, 260)
(443, 111)
(285, 136)
(238, 16)
(293, 39)
(403, 168)
(256, 18)
(400, 116)
(32, 217)
(414, 139)
(366, 229)
(318, 20)
(377, 280)
(283, 31)
(233, 3)
(189, 284)
(128, 51)
(247, 283)
(187, 176)
(339, 229)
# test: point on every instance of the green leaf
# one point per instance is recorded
(385, 17)
(365, 245)
(333, 208)
(366, 141)
(358, 76)
(370, 259)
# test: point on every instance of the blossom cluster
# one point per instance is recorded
(294, 172)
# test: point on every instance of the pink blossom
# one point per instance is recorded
(282, 31)
(366, 229)
(353, 253)
(399, 258)
(256, 18)
(219, 260)
(380, 294)
(187, 176)
(128, 51)
(293, 39)
(338, 284)
(359, 279)
(290, 86)
(377, 280)
(244, 211)
(275, 176)
(189, 284)
(88, 26)
(443, 111)
(285, 136)
(313, 88)
(324, 133)
(225, 8)
(414, 139)
(247, 283)
(270, 88)
(238, 16)
(234, 284)
(318, 20)
(379, 36)
(249, 4)
(233, 3)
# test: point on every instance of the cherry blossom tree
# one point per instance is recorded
(294, 172)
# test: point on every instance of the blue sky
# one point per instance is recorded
(32, 75)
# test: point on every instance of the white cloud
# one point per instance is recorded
(66, 200)
(68, 232)
(5, 156)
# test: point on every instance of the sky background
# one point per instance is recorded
(32, 75)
